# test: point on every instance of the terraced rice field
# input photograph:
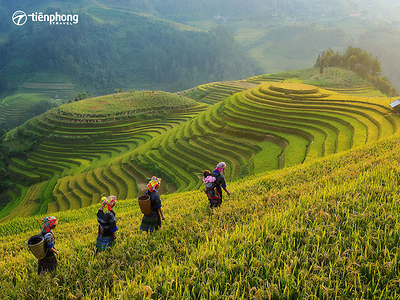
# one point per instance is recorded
(218, 91)
(83, 155)
(273, 125)
(362, 90)
(62, 89)
(257, 125)
(13, 107)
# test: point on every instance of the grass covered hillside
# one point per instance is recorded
(132, 103)
(327, 229)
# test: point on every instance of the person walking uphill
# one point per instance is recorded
(220, 182)
(49, 262)
(107, 224)
(211, 191)
(152, 222)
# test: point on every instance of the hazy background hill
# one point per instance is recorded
(289, 34)
(112, 48)
(126, 43)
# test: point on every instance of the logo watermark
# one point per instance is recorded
(20, 18)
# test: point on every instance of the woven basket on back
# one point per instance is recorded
(145, 204)
(36, 245)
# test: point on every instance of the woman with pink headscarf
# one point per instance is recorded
(49, 262)
(107, 224)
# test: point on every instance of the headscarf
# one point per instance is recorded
(48, 222)
(154, 181)
(221, 166)
(109, 201)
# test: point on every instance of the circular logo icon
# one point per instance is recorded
(19, 18)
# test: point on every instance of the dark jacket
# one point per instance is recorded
(107, 223)
(219, 181)
(154, 199)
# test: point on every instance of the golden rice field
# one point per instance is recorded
(326, 229)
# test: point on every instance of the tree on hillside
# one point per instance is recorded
(352, 61)
(321, 67)
(82, 95)
(360, 62)
(376, 67)
(327, 58)
(38, 108)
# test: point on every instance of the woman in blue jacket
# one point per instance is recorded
(152, 222)
(107, 224)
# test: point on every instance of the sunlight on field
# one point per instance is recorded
(304, 225)
(124, 102)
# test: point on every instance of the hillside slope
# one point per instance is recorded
(102, 146)
(327, 229)
(88, 140)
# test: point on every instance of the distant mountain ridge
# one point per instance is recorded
(305, 28)
(115, 48)
(109, 48)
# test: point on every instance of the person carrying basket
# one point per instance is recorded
(49, 262)
(152, 221)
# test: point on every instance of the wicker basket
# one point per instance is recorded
(36, 245)
(145, 204)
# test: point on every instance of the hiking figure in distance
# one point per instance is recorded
(49, 262)
(107, 224)
(219, 182)
(152, 222)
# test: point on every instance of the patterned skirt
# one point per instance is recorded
(48, 263)
(104, 241)
(151, 222)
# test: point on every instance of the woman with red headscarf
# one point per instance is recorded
(107, 224)
(49, 262)
(152, 222)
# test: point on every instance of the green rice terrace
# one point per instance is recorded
(113, 144)
(16, 105)
(81, 155)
